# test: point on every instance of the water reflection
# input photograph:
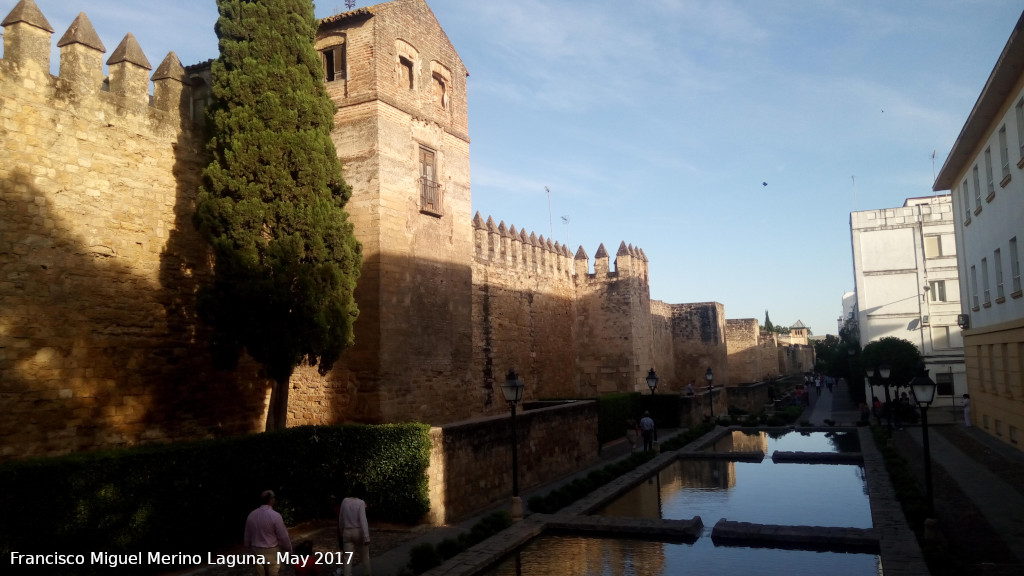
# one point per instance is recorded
(764, 493)
(787, 441)
(580, 556)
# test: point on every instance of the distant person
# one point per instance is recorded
(865, 413)
(353, 530)
(266, 535)
(647, 429)
(689, 388)
(967, 410)
(877, 409)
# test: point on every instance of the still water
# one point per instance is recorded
(581, 556)
(763, 493)
(792, 441)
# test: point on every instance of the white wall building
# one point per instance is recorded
(906, 285)
(985, 172)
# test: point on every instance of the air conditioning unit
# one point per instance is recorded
(963, 321)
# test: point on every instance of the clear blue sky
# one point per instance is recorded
(655, 122)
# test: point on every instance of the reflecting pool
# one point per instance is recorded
(582, 556)
(789, 441)
(763, 493)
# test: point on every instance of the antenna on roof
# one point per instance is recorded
(933, 173)
(565, 220)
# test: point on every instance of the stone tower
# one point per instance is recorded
(401, 132)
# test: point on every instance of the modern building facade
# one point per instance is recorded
(905, 271)
(985, 174)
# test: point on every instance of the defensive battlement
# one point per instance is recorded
(125, 90)
(506, 246)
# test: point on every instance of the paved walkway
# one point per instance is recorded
(986, 472)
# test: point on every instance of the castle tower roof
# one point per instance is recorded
(82, 32)
(129, 51)
(170, 68)
(623, 250)
(601, 252)
(581, 254)
(26, 11)
(478, 220)
(798, 324)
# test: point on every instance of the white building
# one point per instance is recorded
(905, 275)
(985, 173)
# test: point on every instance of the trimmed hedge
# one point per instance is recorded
(194, 497)
(423, 557)
(614, 409)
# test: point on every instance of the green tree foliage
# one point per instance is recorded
(825, 353)
(768, 326)
(901, 355)
(272, 201)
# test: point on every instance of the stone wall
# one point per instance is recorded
(769, 351)
(742, 338)
(698, 342)
(471, 462)
(99, 261)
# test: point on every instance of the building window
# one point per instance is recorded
(997, 259)
(977, 190)
(1014, 266)
(944, 384)
(1004, 155)
(932, 246)
(991, 185)
(940, 337)
(405, 75)
(440, 86)
(984, 282)
(333, 59)
(974, 287)
(937, 291)
(967, 201)
(430, 190)
(1013, 434)
(1020, 128)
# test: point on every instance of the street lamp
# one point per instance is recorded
(513, 391)
(884, 371)
(924, 393)
(652, 380)
(710, 376)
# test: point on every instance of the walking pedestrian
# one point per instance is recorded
(967, 409)
(647, 429)
(632, 434)
(353, 530)
(266, 535)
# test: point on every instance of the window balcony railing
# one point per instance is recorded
(430, 197)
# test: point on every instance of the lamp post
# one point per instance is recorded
(884, 371)
(513, 391)
(710, 376)
(924, 393)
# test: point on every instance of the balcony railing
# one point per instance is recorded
(430, 197)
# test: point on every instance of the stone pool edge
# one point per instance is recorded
(898, 548)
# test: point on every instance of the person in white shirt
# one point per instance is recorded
(647, 429)
(353, 530)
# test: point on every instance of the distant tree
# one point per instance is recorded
(825, 353)
(272, 200)
(781, 329)
(768, 326)
(901, 355)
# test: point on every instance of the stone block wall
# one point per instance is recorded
(742, 338)
(769, 351)
(523, 315)
(698, 342)
(471, 462)
(99, 262)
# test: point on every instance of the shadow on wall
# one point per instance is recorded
(95, 351)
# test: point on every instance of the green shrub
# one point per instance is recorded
(450, 547)
(423, 557)
(192, 496)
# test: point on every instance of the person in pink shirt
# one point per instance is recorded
(353, 530)
(266, 535)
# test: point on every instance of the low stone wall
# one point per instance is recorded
(471, 462)
(750, 397)
(696, 409)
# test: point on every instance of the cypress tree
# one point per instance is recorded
(272, 200)
(768, 326)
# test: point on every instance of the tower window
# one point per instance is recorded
(334, 62)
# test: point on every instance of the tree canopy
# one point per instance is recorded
(902, 356)
(272, 200)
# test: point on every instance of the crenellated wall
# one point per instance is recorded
(98, 257)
